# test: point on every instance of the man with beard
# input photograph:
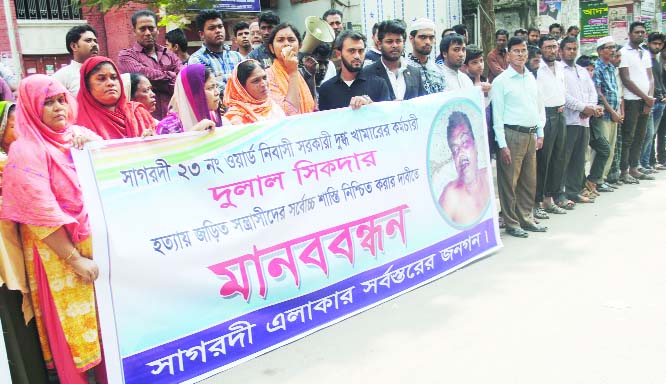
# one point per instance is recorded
(517, 115)
(352, 87)
(648, 158)
(533, 36)
(214, 54)
(81, 42)
(255, 35)
(465, 198)
(152, 60)
(242, 34)
(403, 80)
(550, 158)
(267, 21)
(422, 38)
(453, 51)
(497, 62)
(636, 76)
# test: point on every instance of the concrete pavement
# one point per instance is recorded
(583, 303)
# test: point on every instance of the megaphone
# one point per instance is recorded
(317, 31)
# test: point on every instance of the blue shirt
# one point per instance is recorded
(516, 101)
(221, 63)
(604, 79)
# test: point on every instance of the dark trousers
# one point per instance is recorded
(516, 181)
(599, 143)
(578, 138)
(661, 141)
(550, 158)
(26, 362)
(633, 133)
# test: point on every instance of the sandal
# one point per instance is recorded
(628, 179)
(540, 213)
(516, 232)
(566, 204)
(587, 193)
(583, 199)
(554, 208)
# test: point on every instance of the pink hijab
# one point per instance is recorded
(40, 184)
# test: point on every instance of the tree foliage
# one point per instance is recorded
(172, 7)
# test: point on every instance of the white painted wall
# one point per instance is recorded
(44, 37)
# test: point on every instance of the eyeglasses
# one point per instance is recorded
(519, 51)
(549, 47)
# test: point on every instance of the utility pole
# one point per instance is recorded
(487, 24)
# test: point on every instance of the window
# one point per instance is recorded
(48, 9)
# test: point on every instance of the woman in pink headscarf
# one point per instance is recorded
(195, 102)
(41, 192)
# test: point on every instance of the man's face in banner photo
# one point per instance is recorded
(463, 199)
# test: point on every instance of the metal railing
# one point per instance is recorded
(48, 9)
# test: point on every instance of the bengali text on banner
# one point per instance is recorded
(215, 248)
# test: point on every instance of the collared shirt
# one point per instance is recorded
(221, 63)
(581, 93)
(516, 101)
(637, 60)
(604, 79)
(496, 63)
(397, 80)
(335, 93)
(432, 76)
(160, 69)
(262, 55)
(70, 77)
(551, 85)
(455, 79)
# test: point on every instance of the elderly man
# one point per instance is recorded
(609, 98)
(81, 43)
(255, 35)
(267, 21)
(422, 39)
(636, 76)
(518, 115)
(214, 54)
(497, 62)
(152, 60)
(404, 80)
(465, 198)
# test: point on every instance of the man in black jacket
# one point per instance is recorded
(403, 79)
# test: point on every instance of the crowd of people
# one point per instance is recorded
(546, 106)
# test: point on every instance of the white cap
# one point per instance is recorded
(605, 40)
(422, 23)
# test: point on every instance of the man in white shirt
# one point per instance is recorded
(453, 52)
(82, 44)
(636, 76)
(550, 159)
(403, 80)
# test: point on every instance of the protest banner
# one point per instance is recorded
(215, 248)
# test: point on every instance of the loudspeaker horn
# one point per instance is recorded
(317, 31)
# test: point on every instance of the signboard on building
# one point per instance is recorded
(550, 11)
(238, 5)
(593, 21)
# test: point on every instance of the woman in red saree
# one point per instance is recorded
(103, 107)
(41, 192)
